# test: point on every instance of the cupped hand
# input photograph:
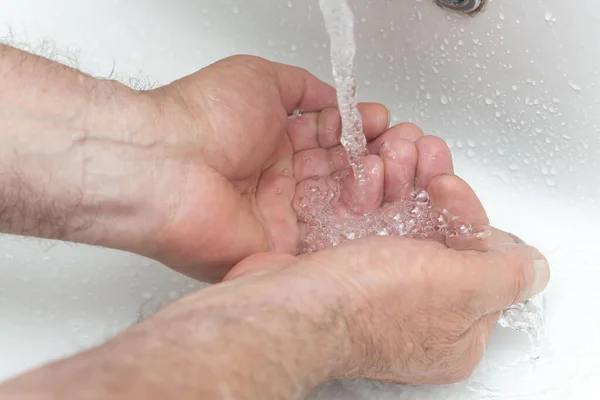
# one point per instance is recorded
(237, 154)
(416, 311)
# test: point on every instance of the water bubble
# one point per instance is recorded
(481, 231)
(438, 218)
(451, 233)
(422, 197)
(461, 226)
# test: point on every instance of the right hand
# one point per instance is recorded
(416, 311)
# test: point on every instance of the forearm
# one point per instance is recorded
(266, 338)
(55, 124)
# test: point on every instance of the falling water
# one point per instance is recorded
(412, 218)
(339, 22)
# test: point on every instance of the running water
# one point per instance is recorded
(320, 205)
(339, 22)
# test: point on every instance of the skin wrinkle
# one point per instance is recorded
(270, 337)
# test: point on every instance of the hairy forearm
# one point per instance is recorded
(55, 124)
(265, 338)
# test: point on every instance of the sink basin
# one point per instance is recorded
(513, 90)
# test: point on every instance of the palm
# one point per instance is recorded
(243, 196)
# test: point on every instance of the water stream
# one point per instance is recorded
(414, 217)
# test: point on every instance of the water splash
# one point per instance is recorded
(413, 217)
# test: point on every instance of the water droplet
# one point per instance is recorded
(575, 86)
(451, 233)
(422, 197)
(444, 99)
(481, 232)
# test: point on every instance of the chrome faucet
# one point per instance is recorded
(462, 6)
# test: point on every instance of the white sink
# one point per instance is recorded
(513, 90)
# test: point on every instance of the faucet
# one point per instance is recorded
(462, 6)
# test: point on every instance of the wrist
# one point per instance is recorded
(272, 337)
(285, 333)
(299, 329)
(58, 127)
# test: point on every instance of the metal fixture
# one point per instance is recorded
(462, 6)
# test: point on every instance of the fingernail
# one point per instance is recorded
(389, 120)
(541, 270)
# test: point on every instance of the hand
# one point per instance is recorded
(197, 174)
(238, 160)
(243, 165)
(417, 311)
(384, 308)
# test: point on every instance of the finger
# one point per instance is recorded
(324, 128)
(434, 159)
(400, 164)
(360, 199)
(451, 193)
(405, 130)
(318, 162)
(375, 120)
(300, 89)
(507, 275)
(274, 195)
(313, 196)
(302, 131)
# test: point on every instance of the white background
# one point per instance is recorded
(513, 90)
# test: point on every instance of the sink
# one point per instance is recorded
(512, 89)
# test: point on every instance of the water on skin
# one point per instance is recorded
(414, 217)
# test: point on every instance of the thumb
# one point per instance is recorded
(507, 274)
(259, 264)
